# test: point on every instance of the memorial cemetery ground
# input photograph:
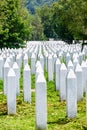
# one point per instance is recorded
(56, 111)
(25, 117)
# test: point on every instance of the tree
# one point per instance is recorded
(70, 18)
(37, 28)
(13, 27)
(45, 14)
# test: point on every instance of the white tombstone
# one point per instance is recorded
(17, 72)
(25, 59)
(11, 92)
(19, 60)
(71, 95)
(54, 62)
(41, 103)
(84, 75)
(78, 72)
(63, 74)
(75, 62)
(6, 69)
(70, 65)
(46, 59)
(80, 57)
(33, 60)
(39, 70)
(57, 73)
(1, 67)
(27, 83)
(50, 68)
(68, 58)
(42, 61)
(9, 61)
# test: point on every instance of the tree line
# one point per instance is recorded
(33, 4)
(65, 20)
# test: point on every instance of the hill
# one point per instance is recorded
(32, 4)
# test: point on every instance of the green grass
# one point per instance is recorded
(56, 111)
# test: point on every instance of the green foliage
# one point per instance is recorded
(45, 14)
(56, 19)
(37, 28)
(64, 20)
(14, 23)
(69, 19)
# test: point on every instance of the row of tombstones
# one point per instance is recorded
(70, 80)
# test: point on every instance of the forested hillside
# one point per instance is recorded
(32, 4)
(63, 20)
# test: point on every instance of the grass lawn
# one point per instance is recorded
(56, 112)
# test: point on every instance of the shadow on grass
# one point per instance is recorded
(60, 121)
(85, 127)
(3, 109)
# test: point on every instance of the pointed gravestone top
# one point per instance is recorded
(75, 60)
(11, 73)
(83, 64)
(50, 56)
(41, 56)
(63, 67)
(15, 65)
(58, 61)
(6, 64)
(27, 67)
(78, 68)
(55, 56)
(39, 69)
(33, 55)
(8, 60)
(25, 56)
(1, 58)
(68, 54)
(40, 78)
(71, 74)
(70, 63)
(38, 63)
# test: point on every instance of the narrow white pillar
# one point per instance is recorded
(84, 75)
(57, 73)
(33, 60)
(71, 97)
(78, 72)
(1, 67)
(6, 69)
(42, 61)
(63, 74)
(50, 68)
(70, 65)
(11, 92)
(17, 72)
(27, 83)
(25, 60)
(41, 103)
